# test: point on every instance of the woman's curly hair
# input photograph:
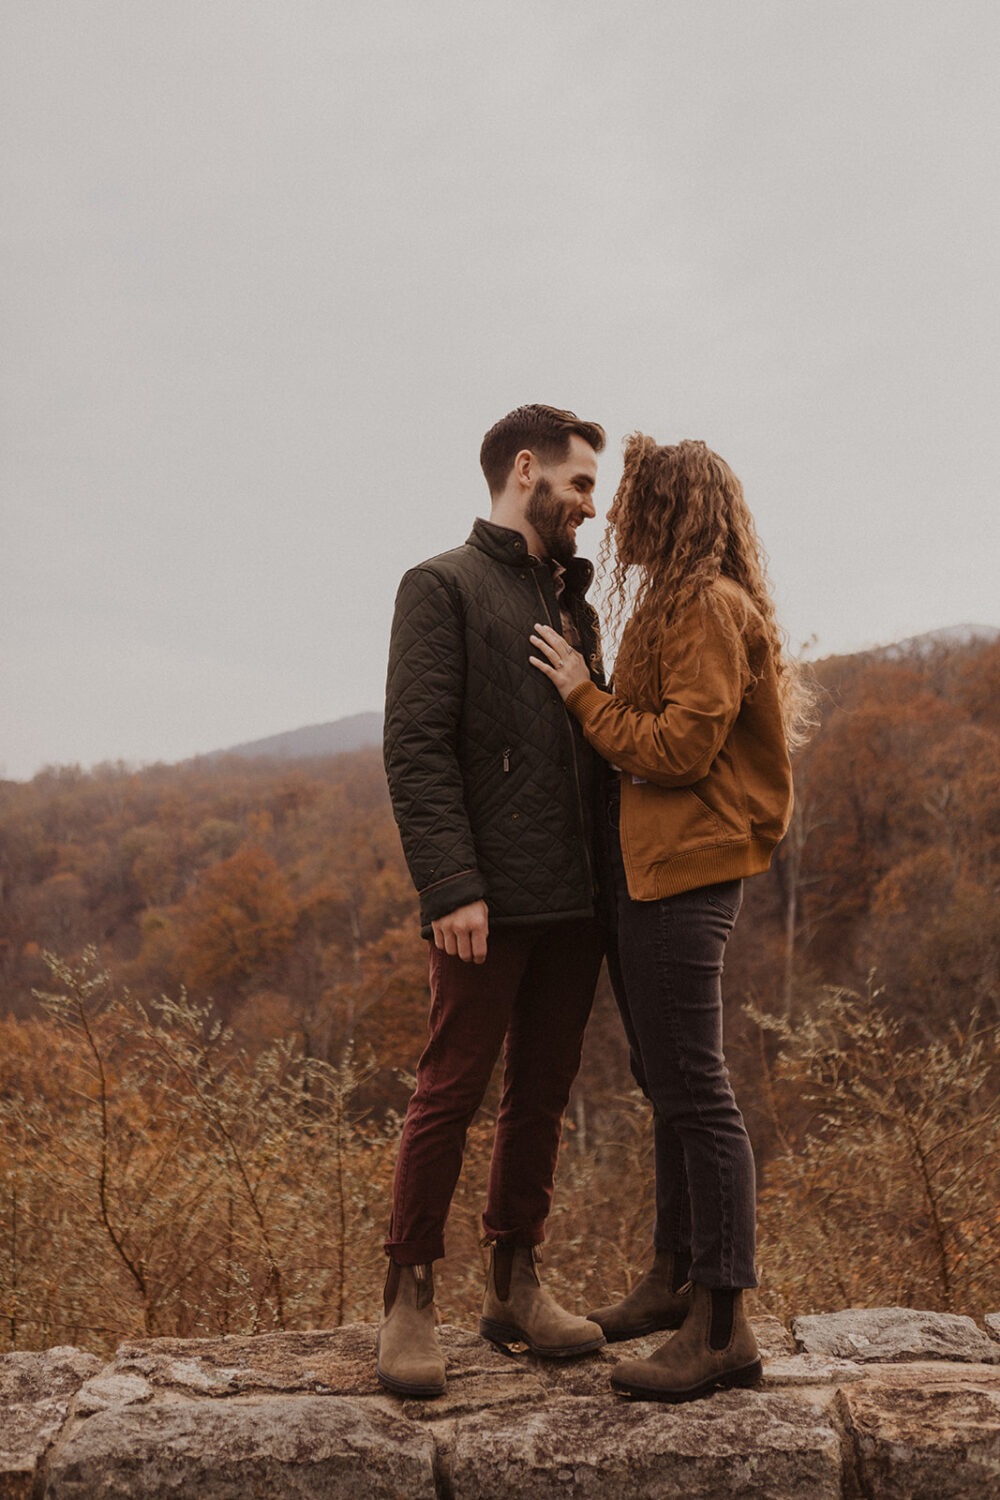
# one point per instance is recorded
(677, 523)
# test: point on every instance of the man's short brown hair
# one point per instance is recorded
(545, 430)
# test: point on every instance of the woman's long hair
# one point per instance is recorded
(677, 523)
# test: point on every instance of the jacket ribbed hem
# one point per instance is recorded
(686, 872)
(530, 919)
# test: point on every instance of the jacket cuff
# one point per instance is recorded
(446, 896)
(585, 700)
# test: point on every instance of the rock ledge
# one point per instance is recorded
(879, 1402)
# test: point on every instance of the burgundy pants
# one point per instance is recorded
(532, 996)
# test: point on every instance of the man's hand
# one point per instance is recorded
(463, 933)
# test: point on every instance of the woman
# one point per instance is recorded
(704, 708)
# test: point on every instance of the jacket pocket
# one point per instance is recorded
(658, 823)
(726, 898)
(490, 779)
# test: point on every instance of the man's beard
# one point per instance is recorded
(548, 517)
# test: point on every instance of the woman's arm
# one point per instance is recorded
(703, 677)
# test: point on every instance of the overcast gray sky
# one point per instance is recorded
(270, 268)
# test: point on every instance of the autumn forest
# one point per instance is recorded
(212, 995)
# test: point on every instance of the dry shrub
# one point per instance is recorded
(158, 1178)
(886, 1187)
(173, 1184)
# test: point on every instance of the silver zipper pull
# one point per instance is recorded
(506, 760)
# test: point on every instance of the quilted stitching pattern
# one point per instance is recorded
(489, 775)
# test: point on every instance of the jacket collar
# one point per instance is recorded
(508, 546)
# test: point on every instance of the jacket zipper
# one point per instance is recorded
(572, 749)
(506, 760)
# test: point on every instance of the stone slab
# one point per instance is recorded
(927, 1430)
(26, 1433)
(301, 1415)
(992, 1325)
(41, 1375)
(36, 1389)
(342, 1362)
(885, 1335)
(810, 1369)
(339, 1362)
(742, 1445)
(934, 1374)
(109, 1390)
(773, 1338)
(309, 1448)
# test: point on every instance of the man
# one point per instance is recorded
(495, 792)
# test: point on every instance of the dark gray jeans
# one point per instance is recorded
(666, 971)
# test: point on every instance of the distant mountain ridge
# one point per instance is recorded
(948, 635)
(360, 731)
(356, 732)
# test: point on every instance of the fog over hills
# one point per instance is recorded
(359, 731)
(948, 635)
(356, 732)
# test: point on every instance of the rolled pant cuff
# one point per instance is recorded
(717, 1282)
(520, 1239)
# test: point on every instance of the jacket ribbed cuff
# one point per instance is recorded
(445, 896)
(584, 700)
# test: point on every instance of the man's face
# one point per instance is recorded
(562, 498)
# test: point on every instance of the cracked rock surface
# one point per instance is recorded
(861, 1405)
(886, 1334)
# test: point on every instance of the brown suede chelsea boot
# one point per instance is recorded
(409, 1358)
(518, 1310)
(662, 1299)
(715, 1348)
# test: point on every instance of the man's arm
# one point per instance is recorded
(424, 693)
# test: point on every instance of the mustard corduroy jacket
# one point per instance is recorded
(706, 779)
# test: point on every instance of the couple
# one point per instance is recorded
(545, 819)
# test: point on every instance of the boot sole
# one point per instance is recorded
(743, 1379)
(423, 1392)
(404, 1388)
(504, 1335)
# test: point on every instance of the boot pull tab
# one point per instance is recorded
(501, 1267)
(424, 1278)
(391, 1287)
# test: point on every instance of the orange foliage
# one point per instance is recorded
(278, 892)
(250, 880)
(238, 920)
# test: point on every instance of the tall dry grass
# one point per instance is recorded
(156, 1178)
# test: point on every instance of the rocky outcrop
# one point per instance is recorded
(885, 1335)
(865, 1405)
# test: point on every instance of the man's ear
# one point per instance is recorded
(525, 468)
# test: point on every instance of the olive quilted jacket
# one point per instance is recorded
(493, 785)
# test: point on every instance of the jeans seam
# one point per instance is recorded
(683, 1068)
(685, 1071)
